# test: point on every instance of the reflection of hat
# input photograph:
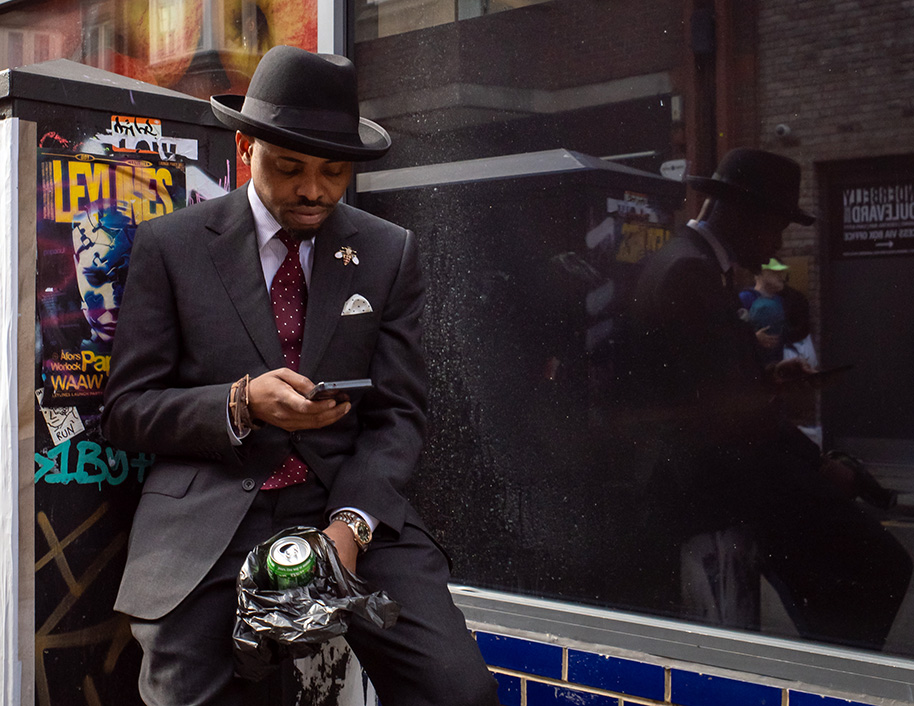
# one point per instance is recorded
(758, 177)
(307, 103)
(775, 265)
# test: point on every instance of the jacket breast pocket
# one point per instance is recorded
(171, 479)
(357, 323)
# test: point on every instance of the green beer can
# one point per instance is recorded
(290, 563)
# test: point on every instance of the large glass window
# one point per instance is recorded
(597, 434)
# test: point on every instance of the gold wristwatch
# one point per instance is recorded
(361, 531)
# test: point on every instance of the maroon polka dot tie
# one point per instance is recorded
(290, 302)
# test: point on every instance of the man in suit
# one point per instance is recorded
(233, 310)
(727, 457)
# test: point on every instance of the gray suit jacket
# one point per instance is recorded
(197, 316)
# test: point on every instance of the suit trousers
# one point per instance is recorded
(428, 658)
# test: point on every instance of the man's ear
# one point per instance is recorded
(245, 146)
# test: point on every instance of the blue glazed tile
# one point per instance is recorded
(798, 698)
(508, 689)
(691, 689)
(624, 676)
(539, 694)
(521, 655)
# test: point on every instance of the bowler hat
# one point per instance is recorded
(758, 177)
(304, 102)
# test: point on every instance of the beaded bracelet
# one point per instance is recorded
(239, 409)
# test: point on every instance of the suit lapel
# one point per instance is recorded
(330, 285)
(234, 252)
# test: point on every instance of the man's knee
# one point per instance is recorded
(483, 692)
(474, 688)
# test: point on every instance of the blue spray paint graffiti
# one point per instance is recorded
(94, 464)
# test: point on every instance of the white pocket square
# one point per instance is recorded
(356, 304)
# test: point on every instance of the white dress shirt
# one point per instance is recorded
(720, 251)
(272, 253)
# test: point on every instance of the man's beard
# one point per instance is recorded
(303, 234)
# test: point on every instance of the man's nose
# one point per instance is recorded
(309, 187)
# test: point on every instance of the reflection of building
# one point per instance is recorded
(166, 19)
(19, 47)
(382, 18)
(195, 46)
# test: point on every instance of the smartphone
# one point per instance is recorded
(339, 390)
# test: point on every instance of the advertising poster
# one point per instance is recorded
(877, 219)
(90, 208)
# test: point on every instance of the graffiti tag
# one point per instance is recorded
(94, 464)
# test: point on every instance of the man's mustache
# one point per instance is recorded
(313, 204)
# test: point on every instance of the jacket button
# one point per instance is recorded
(248, 484)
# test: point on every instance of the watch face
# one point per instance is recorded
(364, 533)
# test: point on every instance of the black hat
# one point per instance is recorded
(307, 103)
(758, 177)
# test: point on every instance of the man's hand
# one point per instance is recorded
(767, 340)
(278, 398)
(346, 548)
(792, 371)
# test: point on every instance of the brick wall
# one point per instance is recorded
(840, 73)
(554, 45)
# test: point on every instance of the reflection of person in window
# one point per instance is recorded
(765, 309)
(728, 459)
(101, 252)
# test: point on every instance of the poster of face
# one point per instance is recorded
(89, 210)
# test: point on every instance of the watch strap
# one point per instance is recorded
(361, 530)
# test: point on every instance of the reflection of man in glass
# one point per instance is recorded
(101, 253)
(727, 459)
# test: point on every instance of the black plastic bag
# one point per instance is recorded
(272, 625)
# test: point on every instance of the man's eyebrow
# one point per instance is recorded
(296, 160)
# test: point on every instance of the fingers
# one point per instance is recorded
(795, 370)
(277, 398)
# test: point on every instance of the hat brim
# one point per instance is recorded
(372, 141)
(723, 190)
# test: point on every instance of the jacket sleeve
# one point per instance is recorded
(146, 407)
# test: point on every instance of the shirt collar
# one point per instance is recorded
(265, 226)
(721, 252)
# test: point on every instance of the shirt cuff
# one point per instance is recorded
(370, 519)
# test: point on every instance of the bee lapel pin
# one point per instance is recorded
(347, 255)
